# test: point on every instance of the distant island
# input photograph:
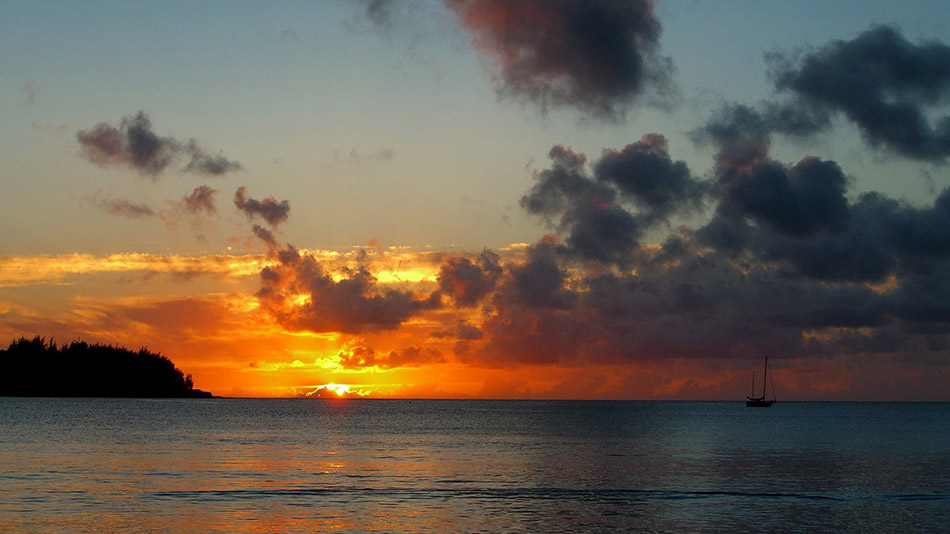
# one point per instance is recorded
(35, 368)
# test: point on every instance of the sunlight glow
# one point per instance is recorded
(339, 389)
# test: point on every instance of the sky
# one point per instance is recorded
(486, 198)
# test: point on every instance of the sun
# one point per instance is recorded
(339, 389)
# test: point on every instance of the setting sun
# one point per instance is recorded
(339, 389)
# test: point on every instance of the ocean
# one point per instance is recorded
(349, 465)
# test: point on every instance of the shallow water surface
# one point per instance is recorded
(306, 465)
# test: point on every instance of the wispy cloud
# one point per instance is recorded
(356, 156)
(28, 270)
(29, 90)
(133, 144)
(126, 208)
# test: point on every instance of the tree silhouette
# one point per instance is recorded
(35, 368)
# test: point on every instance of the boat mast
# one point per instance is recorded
(765, 376)
(772, 381)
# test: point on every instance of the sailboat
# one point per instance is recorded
(761, 402)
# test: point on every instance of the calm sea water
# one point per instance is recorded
(236, 465)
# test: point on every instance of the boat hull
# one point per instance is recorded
(758, 403)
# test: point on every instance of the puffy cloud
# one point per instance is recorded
(467, 282)
(596, 227)
(603, 215)
(810, 229)
(893, 90)
(539, 281)
(797, 200)
(269, 209)
(304, 297)
(644, 173)
(787, 265)
(135, 145)
(594, 56)
(742, 134)
(885, 84)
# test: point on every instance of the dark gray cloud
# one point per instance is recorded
(604, 214)
(696, 303)
(583, 209)
(644, 173)
(538, 282)
(797, 200)
(788, 265)
(595, 56)
(467, 281)
(269, 209)
(742, 134)
(865, 241)
(892, 237)
(888, 86)
(135, 145)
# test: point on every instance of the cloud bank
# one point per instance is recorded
(790, 262)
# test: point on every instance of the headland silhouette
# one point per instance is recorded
(35, 368)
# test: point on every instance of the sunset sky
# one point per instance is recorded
(486, 198)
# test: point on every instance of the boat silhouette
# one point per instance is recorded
(761, 402)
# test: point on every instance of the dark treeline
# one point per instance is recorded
(35, 368)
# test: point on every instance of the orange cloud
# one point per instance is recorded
(31, 270)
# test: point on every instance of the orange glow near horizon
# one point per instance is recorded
(202, 313)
